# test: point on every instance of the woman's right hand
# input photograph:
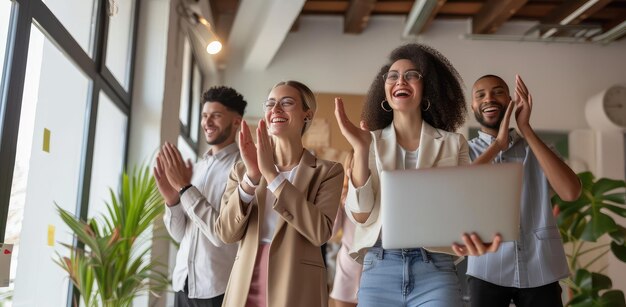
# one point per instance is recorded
(247, 149)
(359, 138)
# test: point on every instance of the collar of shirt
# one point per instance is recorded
(222, 153)
(514, 137)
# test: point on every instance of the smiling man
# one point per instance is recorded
(192, 195)
(527, 270)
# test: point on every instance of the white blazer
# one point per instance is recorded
(437, 148)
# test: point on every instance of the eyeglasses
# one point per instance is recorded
(286, 104)
(391, 77)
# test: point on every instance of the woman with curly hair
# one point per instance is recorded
(411, 111)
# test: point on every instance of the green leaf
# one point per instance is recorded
(612, 298)
(619, 251)
(599, 225)
(618, 198)
(615, 209)
(586, 178)
(619, 235)
(604, 185)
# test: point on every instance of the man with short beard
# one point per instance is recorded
(527, 270)
(192, 195)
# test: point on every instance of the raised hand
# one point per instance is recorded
(265, 153)
(359, 138)
(502, 139)
(177, 171)
(474, 246)
(249, 153)
(523, 105)
(170, 195)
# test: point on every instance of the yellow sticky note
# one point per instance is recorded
(51, 229)
(46, 140)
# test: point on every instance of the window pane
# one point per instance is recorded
(78, 17)
(47, 172)
(196, 95)
(108, 156)
(185, 150)
(119, 41)
(5, 14)
(184, 88)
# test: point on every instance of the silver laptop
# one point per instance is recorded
(433, 207)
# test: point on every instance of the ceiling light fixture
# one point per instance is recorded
(194, 19)
(214, 46)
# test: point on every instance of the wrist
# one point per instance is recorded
(525, 129)
(252, 179)
(172, 202)
(271, 176)
(182, 190)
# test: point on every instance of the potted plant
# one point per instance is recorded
(583, 221)
(114, 267)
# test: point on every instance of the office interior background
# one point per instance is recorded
(90, 87)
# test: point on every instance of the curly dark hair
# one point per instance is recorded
(227, 96)
(442, 88)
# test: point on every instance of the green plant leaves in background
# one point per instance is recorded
(591, 208)
(587, 219)
(113, 267)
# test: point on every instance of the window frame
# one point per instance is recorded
(24, 15)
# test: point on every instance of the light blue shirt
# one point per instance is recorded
(537, 258)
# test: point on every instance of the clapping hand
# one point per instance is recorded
(359, 138)
(265, 153)
(248, 151)
(523, 105)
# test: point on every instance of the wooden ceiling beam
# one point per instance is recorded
(493, 14)
(563, 13)
(357, 16)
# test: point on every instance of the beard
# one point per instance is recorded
(222, 136)
(496, 125)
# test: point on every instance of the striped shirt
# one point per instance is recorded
(537, 258)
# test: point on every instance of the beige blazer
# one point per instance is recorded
(437, 148)
(297, 274)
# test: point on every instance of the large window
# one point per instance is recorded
(64, 118)
(190, 99)
(108, 156)
(53, 172)
(119, 42)
(78, 17)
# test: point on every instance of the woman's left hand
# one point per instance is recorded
(265, 153)
(474, 246)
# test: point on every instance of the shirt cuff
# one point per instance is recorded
(361, 199)
(245, 197)
(273, 186)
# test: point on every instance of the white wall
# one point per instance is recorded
(561, 77)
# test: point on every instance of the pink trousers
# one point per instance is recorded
(257, 296)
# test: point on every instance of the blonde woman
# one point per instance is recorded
(280, 204)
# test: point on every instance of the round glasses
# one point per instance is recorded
(286, 104)
(391, 77)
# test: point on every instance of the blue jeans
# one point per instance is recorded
(408, 277)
